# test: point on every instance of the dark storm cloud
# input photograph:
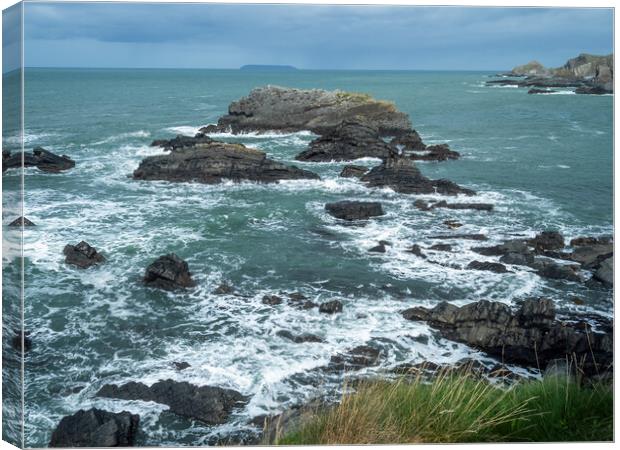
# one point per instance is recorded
(373, 37)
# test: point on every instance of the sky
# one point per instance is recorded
(308, 36)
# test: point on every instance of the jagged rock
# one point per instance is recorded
(353, 171)
(299, 338)
(82, 255)
(490, 266)
(44, 160)
(605, 272)
(348, 141)
(181, 365)
(439, 152)
(416, 250)
(271, 300)
(403, 176)
(181, 141)
(168, 272)
(331, 307)
(378, 249)
(551, 269)
(547, 240)
(408, 141)
(529, 335)
(224, 289)
(475, 206)
(211, 405)
(590, 256)
(274, 108)
(21, 221)
(353, 210)
(96, 428)
(357, 358)
(216, 162)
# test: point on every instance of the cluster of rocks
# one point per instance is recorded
(40, 158)
(588, 74)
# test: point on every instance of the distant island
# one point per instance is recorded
(267, 67)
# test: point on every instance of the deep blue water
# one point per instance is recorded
(545, 161)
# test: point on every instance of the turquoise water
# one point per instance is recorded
(544, 161)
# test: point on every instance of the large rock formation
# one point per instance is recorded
(403, 176)
(531, 68)
(215, 162)
(348, 141)
(44, 160)
(529, 335)
(168, 272)
(96, 428)
(352, 210)
(211, 405)
(274, 108)
(82, 255)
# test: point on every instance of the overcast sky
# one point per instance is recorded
(309, 37)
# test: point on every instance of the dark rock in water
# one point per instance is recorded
(353, 210)
(299, 338)
(181, 365)
(273, 108)
(96, 428)
(348, 141)
(300, 301)
(271, 300)
(551, 269)
(377, 249)
(168, 272)
(21, 221)
(401, 175)
(540, 91)
(605, 272)
(440, 152)
(529, 335)
(588, 240)
(417, 250)
(422, 205)
(547, 240)
(490, 266)
(82, 255)
(452, 224)
(590, 256)
(355, 359)
(331, 307)
(475, 206)
(44, 160)
(353, 171)
(512, 246)
(297, 296)
(224, 289)
(211, 405)
(473, 237)
(518, 259)
(441, 247)
(20, 337)
(216, 162)
(409, 141)
(596, 90)
(181, 141)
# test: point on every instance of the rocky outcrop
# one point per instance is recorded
(439, 152)
(274, 108)
(353, 210)
(605, 272)
(357, 358)
(21, 221)
(351, 171)
(180, 142)
(348, 141)
(410, 141)
(540, 91)
(216, 162)
(531, 68)
(44, 160)
(210, 405)
(489, 266)
(168, 272)
(96, 428)
(82, 255)
(529, 335)
(401, 175)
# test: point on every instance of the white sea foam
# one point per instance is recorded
(123, 136)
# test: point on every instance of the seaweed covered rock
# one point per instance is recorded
(215, 162)
(96, 428)
(168, 272)
(275, 108)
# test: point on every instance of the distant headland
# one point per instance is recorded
(267, 67)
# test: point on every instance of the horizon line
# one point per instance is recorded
(257, 70)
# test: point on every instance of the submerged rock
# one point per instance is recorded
(274, 108)
(352, 171)
(44, 160)
(96, 428)
(380, 248)
(22, 221)
(401, 175)
(168, 272)
(473, 236)
(224, 289)
(20, 337)
(216, 162)
(211, 405)
(529, 335)
(489, 266)
(331, 307)
(348, 141)
(354, 210)
(82, 255)
(299, 338)
(417, 250)
(181, 365)
(439, 152)
(271, 300)
(474, 206)
(540, 91)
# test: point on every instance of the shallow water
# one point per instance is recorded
(544, 161)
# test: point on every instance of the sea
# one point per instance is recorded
(544, 161)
